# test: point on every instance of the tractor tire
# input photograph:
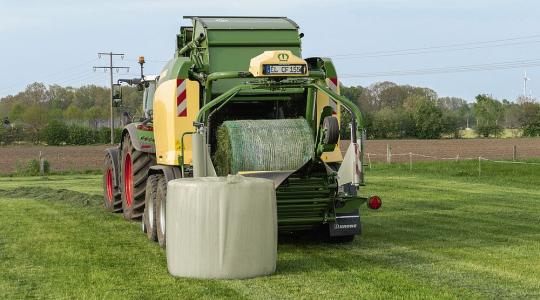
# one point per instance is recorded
(331, 126)
(149, 218)
(112, 200)
(134, 166)
(161, 205)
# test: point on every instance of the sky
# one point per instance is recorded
(458, 48)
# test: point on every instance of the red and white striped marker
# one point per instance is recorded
(181, 99)
(332, 83)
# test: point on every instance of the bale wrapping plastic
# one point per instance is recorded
(263, 145)
(221, 227)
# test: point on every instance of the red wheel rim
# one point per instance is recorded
(109, 185)
(128, 180)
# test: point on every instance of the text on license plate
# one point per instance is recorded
(284, 69)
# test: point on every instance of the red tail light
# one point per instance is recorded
(374, 202)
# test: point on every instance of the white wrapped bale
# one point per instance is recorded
(221, 227)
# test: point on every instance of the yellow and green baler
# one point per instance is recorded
(237, 98)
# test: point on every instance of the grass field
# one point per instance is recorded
(442, 233)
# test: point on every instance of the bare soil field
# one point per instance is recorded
(81, 158)
(426, 150)
(61, 158)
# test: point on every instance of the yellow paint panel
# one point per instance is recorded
(275, 57)
(168, 127)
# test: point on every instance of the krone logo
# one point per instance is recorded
(283, 57)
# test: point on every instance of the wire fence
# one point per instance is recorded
(389, 155)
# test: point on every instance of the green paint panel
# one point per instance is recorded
(240, 46)
(253, 37)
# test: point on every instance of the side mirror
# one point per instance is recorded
(149, 114)
(117, 95)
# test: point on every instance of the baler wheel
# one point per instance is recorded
(149, 218)
(331, 126)
(161, 204)
(112, 201)
(134, 166)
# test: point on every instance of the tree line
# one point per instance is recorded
(393, 111)
(56, 114)
(43, 113)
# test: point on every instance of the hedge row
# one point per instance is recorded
(58, 133)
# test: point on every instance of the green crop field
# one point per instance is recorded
(443, 233)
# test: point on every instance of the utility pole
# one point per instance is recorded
(110, 68)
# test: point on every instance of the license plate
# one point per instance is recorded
(284, 69)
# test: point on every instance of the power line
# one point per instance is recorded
(360, 56)
(47, 77)
(440, 48)
(147, 60)
(83, 77)
(452, 69)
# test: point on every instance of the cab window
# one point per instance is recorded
(149, 97)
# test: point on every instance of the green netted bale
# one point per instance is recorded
(263, 145)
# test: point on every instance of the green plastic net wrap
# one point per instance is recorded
(263, 145)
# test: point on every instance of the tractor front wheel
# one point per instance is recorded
(135, 165)
(111, 194)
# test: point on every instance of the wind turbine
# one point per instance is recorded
(525, 79)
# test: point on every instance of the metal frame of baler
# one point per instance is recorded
(200, 160)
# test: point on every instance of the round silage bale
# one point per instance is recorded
(221, 227)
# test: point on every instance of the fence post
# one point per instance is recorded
(410, 161)
(514, 153)
(388, 154)
(41, 164)
(369, 161)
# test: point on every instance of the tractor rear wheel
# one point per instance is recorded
(111, 194)
(149, 218)
(135, 165)
(161, 204)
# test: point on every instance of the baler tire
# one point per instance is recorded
(161, 204)
(331, 125)
(112, 200)
(149, 218)
(133, 185)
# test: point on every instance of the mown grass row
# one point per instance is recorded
(443, 233)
